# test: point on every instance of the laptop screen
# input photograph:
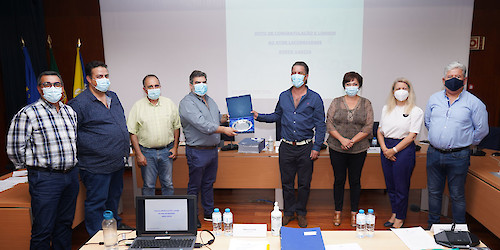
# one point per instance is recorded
(166, 215)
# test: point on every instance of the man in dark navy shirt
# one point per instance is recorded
(103, 145)
(301, 112)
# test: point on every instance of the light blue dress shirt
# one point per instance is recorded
(199, 121)
(461, 124)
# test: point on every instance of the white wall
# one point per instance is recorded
(414, 39)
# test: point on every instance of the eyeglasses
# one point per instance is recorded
(50, 84)
(157, 86)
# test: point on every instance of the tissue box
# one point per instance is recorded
(251, 145)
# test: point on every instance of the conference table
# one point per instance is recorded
(381, 240)
(482, 190)
(261, 171)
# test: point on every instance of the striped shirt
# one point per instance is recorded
(39, 136)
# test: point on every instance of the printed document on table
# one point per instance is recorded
(416, 238)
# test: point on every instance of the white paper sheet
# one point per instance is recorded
(20, 173)
(416, 238)
(11, 182)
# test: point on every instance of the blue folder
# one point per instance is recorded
(301, 238)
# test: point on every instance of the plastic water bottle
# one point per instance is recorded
(109, 231)
(374, 142)
(270, 146)
(361, 223)
(276, 220)
(370, 223)
(228, 222)
(217, 222)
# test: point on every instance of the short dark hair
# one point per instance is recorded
(93, 64)
(48, 73)
(349, 76)
(303, 64)
(150, 75)
(196, 73)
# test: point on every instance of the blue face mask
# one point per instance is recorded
(52, 94)
(102, 84)
(200, 89)
(454, 84)
(298, 80)
(154, 94)
(351, 90)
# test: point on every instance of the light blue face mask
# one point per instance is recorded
(298, 80)
(200, 89)
(351, 90)
(52, 94)
(154, 94)
(102, 84)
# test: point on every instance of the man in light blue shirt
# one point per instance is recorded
(201, 119)
(455, 119)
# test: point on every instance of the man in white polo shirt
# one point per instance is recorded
(154, 127)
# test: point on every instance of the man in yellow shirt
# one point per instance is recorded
(154, 127)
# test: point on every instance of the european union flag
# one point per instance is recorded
(32, 94)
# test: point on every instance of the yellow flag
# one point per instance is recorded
(78, 84)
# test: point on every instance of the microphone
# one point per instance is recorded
(450, 238)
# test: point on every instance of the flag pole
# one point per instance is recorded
(49, 41)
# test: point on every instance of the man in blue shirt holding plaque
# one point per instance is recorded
(301, 113)
(456, 119)
(103, 145)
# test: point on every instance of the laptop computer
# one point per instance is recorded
(165, 222)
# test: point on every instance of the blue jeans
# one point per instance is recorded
(53, 204)
(203, 164)
(103, 193)
(453, 166)
(159, 165)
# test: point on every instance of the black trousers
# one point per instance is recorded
(295, 161)
(344, 164)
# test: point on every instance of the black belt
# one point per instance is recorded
(164, 147)
(203, 147)
(50, 169)
(451, 150)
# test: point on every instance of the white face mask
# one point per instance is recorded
(52, 94)
(351, 90)
(298, 80)
(102, 84)
(200, 89)
(401, 94)
(154, 94)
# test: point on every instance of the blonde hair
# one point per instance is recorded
(410, 102)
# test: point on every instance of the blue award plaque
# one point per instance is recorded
(240, 113)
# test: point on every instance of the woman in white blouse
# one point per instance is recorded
(399, 125)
